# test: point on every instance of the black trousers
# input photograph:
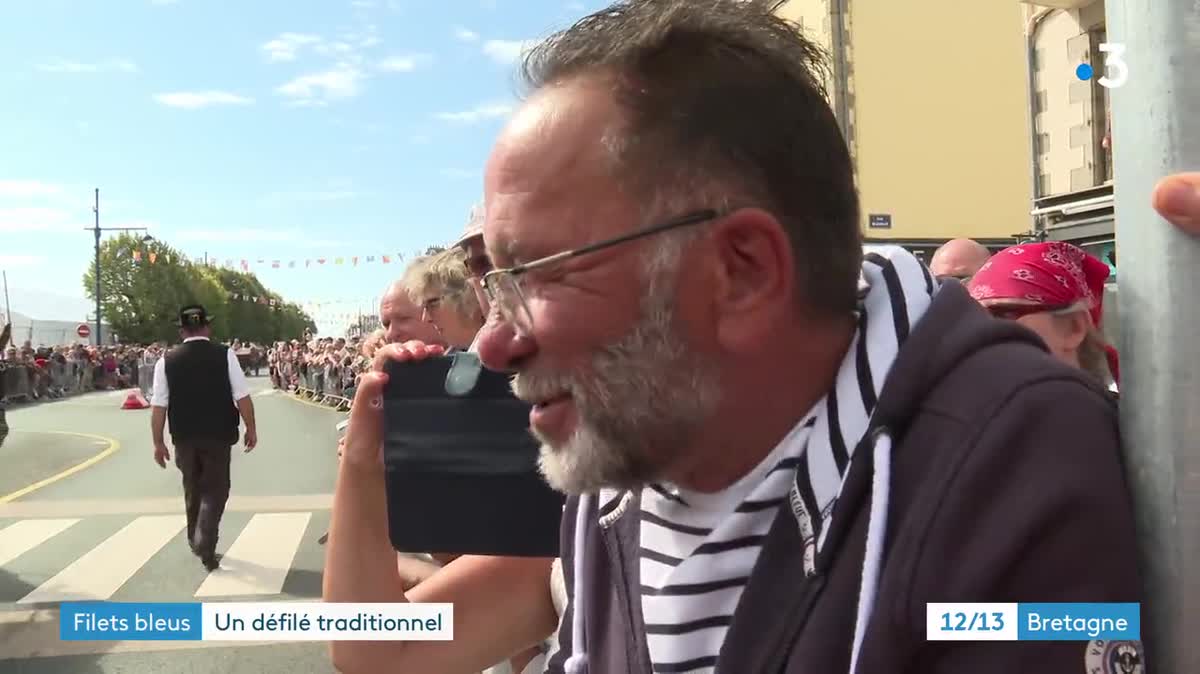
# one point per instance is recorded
(205, 469)
(3, 422)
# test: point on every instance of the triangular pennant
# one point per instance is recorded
(370, 258)
(275, 264)
(354, 260)
(338, 261)
(386, 259)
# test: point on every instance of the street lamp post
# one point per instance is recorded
(96, 230)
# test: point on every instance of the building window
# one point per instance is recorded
(1043, 143)
(1101, 145)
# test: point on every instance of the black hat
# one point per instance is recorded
(193, 316)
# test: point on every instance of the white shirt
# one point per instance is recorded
(237, 378)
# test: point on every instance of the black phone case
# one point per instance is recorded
(461, 464)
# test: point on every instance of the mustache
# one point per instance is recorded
(534, 387)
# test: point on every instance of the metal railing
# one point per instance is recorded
(24, 383)
(327, 385)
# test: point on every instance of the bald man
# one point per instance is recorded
(400, 316)
(959, 259)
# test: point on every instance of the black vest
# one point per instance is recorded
(201, 407)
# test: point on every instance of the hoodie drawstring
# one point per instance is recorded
(876, 536)
(577, 663)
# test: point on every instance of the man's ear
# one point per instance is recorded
(753, 277)
(1075, 328)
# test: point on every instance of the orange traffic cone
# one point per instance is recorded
(135, 401)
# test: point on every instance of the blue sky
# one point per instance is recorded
(260, 130)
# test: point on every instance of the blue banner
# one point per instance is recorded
(1079, 622)
(141, 621)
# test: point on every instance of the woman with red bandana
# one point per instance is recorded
(1056, 290)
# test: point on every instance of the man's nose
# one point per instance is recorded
(501, 348)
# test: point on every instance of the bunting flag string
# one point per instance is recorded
(322, 311)
(246, 264)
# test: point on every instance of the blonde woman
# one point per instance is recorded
(441, 288)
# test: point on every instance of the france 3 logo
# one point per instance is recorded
(1114, 65)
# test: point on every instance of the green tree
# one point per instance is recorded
(141, 298)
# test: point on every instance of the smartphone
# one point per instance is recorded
(461, 465)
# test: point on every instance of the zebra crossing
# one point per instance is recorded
(266, 556)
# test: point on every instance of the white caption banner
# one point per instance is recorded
(319, 621)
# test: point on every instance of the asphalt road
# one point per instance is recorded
(85, 513)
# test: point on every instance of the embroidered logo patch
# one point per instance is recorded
(1114, 657)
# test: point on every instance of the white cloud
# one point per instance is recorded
(28, 188)
(236, 234)
(76, 67)
(337, 48)
(35, 219)
(192, 100)
(507, 52)
(288, 45)
(22, 260)
(465, 34)
(316, 195)
(478, 113)
(404, 64)
(343, 81)
(255, 235)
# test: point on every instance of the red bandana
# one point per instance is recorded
(1052, 275)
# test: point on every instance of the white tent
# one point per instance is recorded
(54, 333)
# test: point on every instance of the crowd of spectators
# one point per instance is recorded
(325, 368)
(48, 372)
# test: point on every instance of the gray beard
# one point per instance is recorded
(639, 406)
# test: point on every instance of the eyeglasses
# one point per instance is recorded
(477, 265)
(1012, 312)
(429, 306)
(503, 286)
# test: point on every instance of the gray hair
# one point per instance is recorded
(723, 101)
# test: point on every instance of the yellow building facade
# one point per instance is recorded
(1073, 156)
(933, 98)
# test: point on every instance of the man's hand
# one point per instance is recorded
(161, 455)
(363, 444)
(1177, 198)
(251, 439)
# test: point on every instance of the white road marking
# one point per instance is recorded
(158, 505)
(21, 537)
(98, 574)
(258, 561)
